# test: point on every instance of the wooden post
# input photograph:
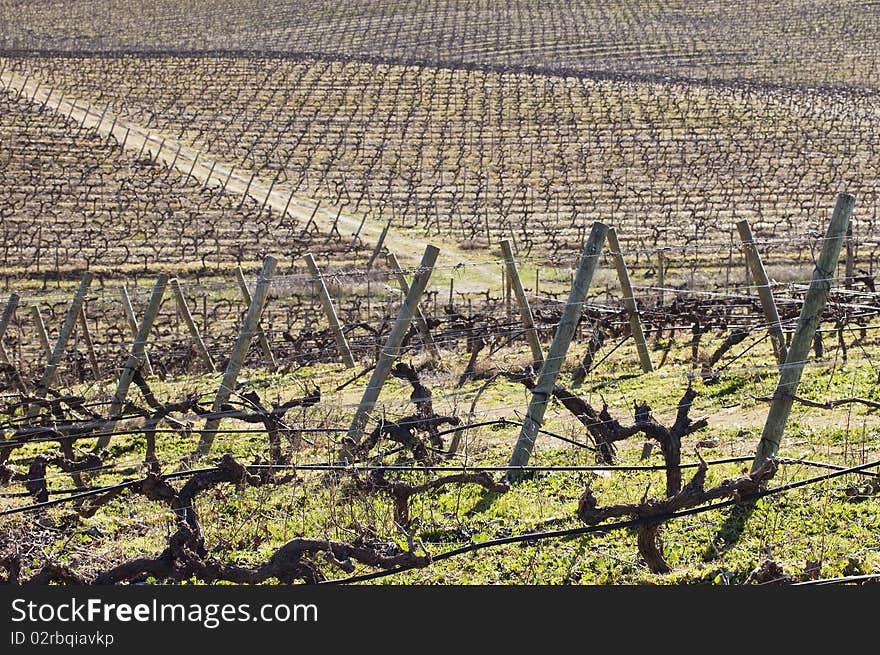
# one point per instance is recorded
(268, 193)
(261, 335)
(850, 258)
(132, 324)
(802, 339)
(191, 325)
(136, 358)
(242, 343)
(41, 330)
(629, 301)
(571, 315)
(729, 263)
(226, 181)
(765, 293)
(90, 347)
(51, 369)
(5, 320)
(661, 276)
(4, 357)
(378, 247)
(391, 349)
(419, 319)
(8, 313)
(329, 311)
(747, 282)
(525, 310)
(508, 291)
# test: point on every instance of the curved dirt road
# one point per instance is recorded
(478, 275)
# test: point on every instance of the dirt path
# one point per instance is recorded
(209, 170)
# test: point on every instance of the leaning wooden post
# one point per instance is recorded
(629, 301)
(329, 311)
(136, 358)
(5, 320)
(191, 325)
(802, 339)
(571, 315)
(17, 380)
(765, 293)
(391, 349)
(90, 346)
(41, 330)
(261, 335)
(378, 247)
(70, 320)
(236, 359)
(525, 311)
(133, 325)
(8, 313)
(419, 318)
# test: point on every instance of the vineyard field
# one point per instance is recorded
(448, 292)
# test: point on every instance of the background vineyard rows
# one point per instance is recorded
(475, 156)
(820, 43)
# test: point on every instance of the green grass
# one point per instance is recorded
(822, 525)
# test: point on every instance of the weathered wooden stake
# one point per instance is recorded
(378, 247)
(4, 357)
(850, 258)
(5, 320)
(174, 161)
(133, 325)
(508, 291)
(183, 309)
(242, 343)
(765, 293)
(41, 331)
(571, 315)
(329, 311)
(269, 193)
(525, 310)
(629, 301)
(391, 349)
(8, 313)
(419, 319)
(136, 359)
(90, 347)
(661, 276)
(70, 320)
(262, 339)
(802, 339)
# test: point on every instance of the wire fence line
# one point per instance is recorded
(604, 528)
(289, 311)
